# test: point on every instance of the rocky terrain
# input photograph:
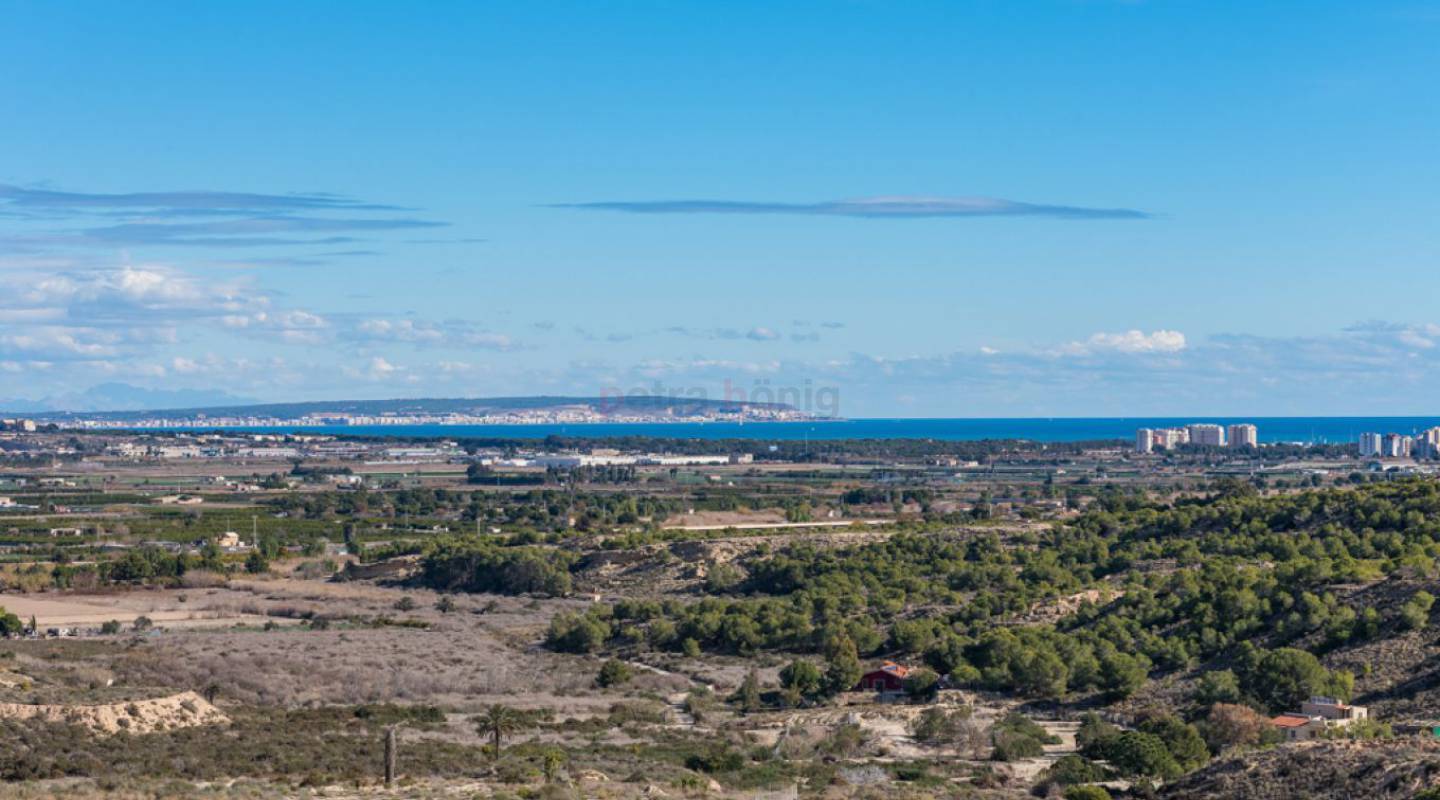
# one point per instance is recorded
(1318, 771)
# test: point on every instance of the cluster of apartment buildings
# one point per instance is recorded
(1243, 434)
(1395, 445)
(553, 415)
(21, 425)
(274, 447)
(611, 458)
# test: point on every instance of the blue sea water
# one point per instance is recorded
(1271, 429)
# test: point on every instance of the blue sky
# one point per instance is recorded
(1063, 208)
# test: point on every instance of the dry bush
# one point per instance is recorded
(202, 579)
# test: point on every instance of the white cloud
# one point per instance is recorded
(1130, 342)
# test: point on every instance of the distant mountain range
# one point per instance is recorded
(105, 403)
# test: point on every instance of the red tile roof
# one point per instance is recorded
(1289, 721)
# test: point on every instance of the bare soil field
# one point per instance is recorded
(91, 611)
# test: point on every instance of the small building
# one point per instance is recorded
(1332, 710)
(228, 539)
(1317, 715)
(888, 679)
(1298, 727)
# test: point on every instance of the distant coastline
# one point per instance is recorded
(448, 412)
(1307, 430)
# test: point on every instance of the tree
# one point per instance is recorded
(10, 624)
(749, 694)
(842, 670)
(498, 721)
(1218, 686)
(1416, 611)
(1093, 731)
(922, 685)
(1087, 793)
(551, 761)
(445, 604)
(613, 673)
(1121, 674)
(577, 633)
(1043, 674)
(255, 563)
(1072, 769)
(1182, 740)
(1016, 737)
(1140, 753)
(211, 556)
(803, 678)
(1230, 725)
(936, 725)
(1284, 678)
(946, 655)
(933, 725)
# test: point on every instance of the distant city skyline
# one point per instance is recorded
(922, 209)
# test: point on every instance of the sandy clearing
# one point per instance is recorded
(183, 710)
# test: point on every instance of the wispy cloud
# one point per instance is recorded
(19, 201)
(246, 232)
(44, 219)
(890, 207)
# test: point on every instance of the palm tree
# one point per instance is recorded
(498, 721)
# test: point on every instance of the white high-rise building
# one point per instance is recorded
(1370, 444)
(1427, 444)
(1144, 440)
(1395, 446)
(1244, 435)
(1202, 433)
(1166, 438)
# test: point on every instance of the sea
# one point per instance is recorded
(1307, 430)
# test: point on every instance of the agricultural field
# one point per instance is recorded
(1041, 629)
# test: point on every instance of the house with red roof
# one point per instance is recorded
(1316, 715)
(888, 679)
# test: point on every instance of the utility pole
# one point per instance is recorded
(392, 748)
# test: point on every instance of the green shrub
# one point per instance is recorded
(1087, 793)
(613, 673)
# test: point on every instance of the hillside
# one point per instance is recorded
(1317, 771)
